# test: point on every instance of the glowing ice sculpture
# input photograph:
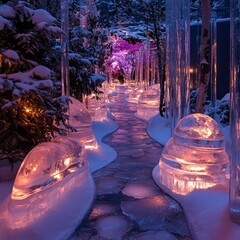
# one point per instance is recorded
(148, 103)
(46, 165)
(195, 157)
(134, 91)
(121, 88)
(97, 108)
(53, 187)
(80, 119)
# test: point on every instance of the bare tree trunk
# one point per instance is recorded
(204, 56)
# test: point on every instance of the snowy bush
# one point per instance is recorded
(223, 110)
(193, 100)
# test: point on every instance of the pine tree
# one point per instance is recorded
(30, 113)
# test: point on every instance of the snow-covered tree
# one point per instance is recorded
(30, 112)
(86, 48)
(87, 52)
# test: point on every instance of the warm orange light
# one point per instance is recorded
(205, 132)
(91, 147)
(57, 175)
(1, 60)
(67, 161)
(195, 168)
(28, 110)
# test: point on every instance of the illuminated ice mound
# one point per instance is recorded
(195, 157)
(121, 88)
(47, 164)
(148, 103)
(134, 94)
(52, 192)
(120, 92)
(98, 109)
(80, 119)
(155, 86)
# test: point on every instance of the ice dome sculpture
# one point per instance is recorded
(47, 164)
(97, 108)
(52, 186)
(134, 94)
(195, 157)
(121, 88)
(80, 119)
(148, 103)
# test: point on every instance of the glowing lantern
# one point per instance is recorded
(195, 157)
(80, 119)
(148, 103)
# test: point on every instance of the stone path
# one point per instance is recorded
(128, 204)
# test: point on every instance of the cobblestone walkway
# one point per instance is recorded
(128, 204)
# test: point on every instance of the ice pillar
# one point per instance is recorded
(65, 48)
(146, 64)
(137, 69)
(141, 66)
(234, 201)
(214, 62)
(177, 60)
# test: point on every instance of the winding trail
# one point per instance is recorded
(128, 204)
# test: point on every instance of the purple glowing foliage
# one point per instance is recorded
(122, 45)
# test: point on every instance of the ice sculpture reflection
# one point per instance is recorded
(195, 157)
(80, 119)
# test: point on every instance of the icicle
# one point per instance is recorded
(214, 64)
(141, 67)
(147, 63)
(137, 68)
(65, 48)
(178, 28)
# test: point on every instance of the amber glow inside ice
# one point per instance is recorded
(195, 157)
(46, 165)
(80, 119)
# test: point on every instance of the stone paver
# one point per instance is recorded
(128, 204)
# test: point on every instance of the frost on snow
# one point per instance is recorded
(41, 71)
(11, 54)
(98, 77)
(4, 22)
(7, 11)
(41, 15)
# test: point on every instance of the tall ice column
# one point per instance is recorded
(234, 201)
(65, 48)
(177, 60)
